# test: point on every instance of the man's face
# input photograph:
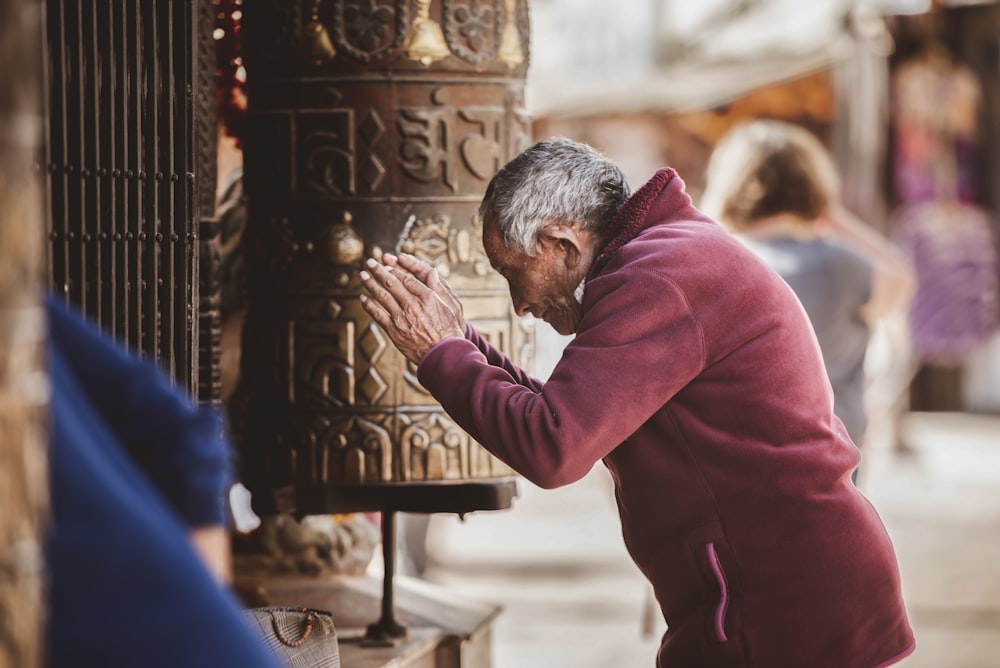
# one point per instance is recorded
(542, 284)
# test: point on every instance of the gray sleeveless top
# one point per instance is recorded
(832, 281)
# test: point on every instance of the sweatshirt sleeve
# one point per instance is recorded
(497, 358)
(179, 445)
(637, 345)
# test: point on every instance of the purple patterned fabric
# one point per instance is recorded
(952, 247)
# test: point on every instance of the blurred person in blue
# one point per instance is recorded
(775, 186)
(138, 551)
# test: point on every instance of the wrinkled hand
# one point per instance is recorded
(413, 315)
(429, 277)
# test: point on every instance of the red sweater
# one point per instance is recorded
(695, 376)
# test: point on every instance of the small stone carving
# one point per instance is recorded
(314, 546)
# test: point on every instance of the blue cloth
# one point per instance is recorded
(134, 466)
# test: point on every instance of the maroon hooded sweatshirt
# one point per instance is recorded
(696, 377)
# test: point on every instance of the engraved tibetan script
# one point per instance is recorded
(436, 142)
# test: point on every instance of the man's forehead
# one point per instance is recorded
(496, 251)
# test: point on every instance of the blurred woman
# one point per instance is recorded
(774, 185)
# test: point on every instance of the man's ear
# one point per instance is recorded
(565, 240)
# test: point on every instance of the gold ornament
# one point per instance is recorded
(426, 43)
(510, 41)
(316, 44)
(344, 246)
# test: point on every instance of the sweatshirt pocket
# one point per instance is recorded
(721, 606)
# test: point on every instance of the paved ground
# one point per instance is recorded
(572, 597)
(942, 508)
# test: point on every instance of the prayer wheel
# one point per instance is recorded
(372, 126)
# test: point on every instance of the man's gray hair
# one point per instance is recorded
(555, 181)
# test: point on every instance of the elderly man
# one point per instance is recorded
(695, 377)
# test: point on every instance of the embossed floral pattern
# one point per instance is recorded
(368, 24)
(476, 24)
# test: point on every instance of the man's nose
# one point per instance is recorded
(521, 307)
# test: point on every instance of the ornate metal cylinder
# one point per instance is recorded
(373, 125)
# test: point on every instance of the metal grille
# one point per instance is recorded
(129, 195)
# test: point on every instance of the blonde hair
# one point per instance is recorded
(766, 168)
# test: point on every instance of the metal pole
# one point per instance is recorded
(387, 630)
